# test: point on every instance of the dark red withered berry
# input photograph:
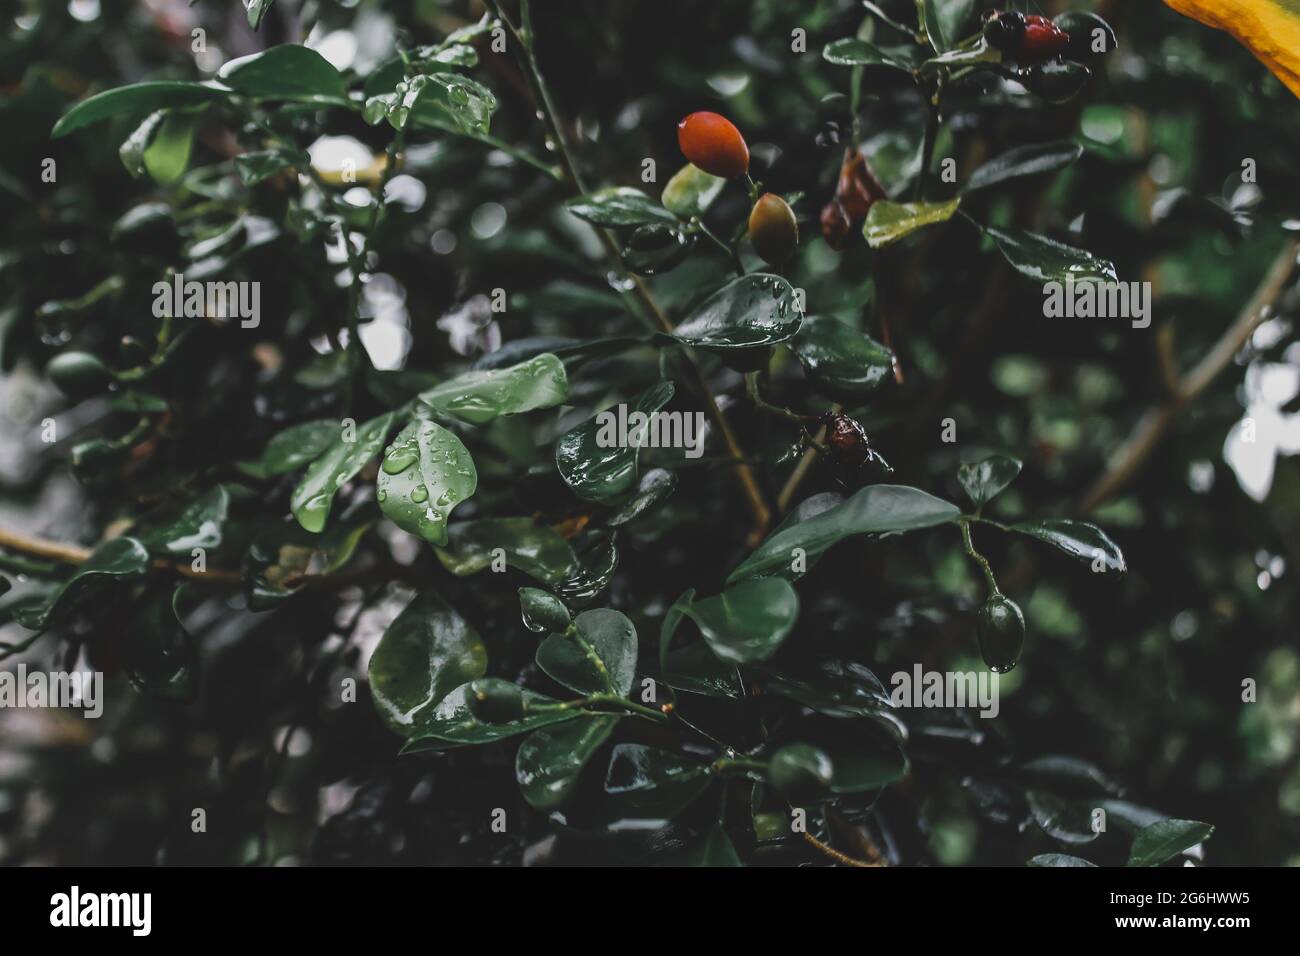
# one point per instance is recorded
(847, 439)
(1025, 39)
(712, 143)
(835, 223)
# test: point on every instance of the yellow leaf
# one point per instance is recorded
(1270, 29)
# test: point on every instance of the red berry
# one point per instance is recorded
(1042, 40)
(835, 223)
(712, 143)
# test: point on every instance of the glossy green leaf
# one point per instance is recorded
(1031, 160)
(598, 657)
(1078, 539)
(833, 688)
(1058, 859)
(543, 611)
(875, 509)
(158, 654)
(426, 472)
(292, 448)
(288, 71)
(1162, 841)
(752, 311)
(115, 560)
(451, 723)
(696, 670)
(984, 480)
(336, 466)
(168, 155)
(260, 165)
(1063, 820)
(597, 553)
(887, 222)
(691, 191)
(648, 783)
(196, 524)
(257, 9)
(748, 621)
(672, 619)
(869, 763)
(594, 461)
(948, 22)
(538, 550)
(427, 652)
(131, 152)
(619, 206)
(467, 103)
(655, 486)
(855, 52)
(841, 358)
(480, 396)
(138, 99)
(1046, 260)
(551, 760)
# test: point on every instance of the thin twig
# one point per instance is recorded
(835, 854)
(1153, 424)
(749, 484)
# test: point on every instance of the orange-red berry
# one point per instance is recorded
(712, 143)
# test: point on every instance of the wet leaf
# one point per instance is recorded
(1061, 819)
(592, 458)
(336, 466)
(542, 611)
(1078, 539)
(537, 550)
(196, 524)
(115, 560)
(748, 621)
(948, 22)
(292, 448)
(138, 99)
(983, 480)
(426, 472)
(1031, 160)
(841, 358)
(426, 653)
(691, 191)
(619, 206)
(599, 657)
(887, 222)
(855, 52)
(1161, 842)
(480, 396)
(753, 311)
(1058, 859)
(652, 490)
(287, 71)
(550, 761)
(876, 509)
(1046, 260)
(648, 783)
(451, 723)
(260, 165)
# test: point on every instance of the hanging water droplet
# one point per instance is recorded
(419, 493)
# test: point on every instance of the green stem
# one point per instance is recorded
(978, 558)
(728, 248)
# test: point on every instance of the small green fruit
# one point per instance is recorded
(1057, 81)
(78, 374)
(801, 773)
(1001, 629)
(773, 229)
(495, 701)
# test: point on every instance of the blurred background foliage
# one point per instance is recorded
(1140, 676)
